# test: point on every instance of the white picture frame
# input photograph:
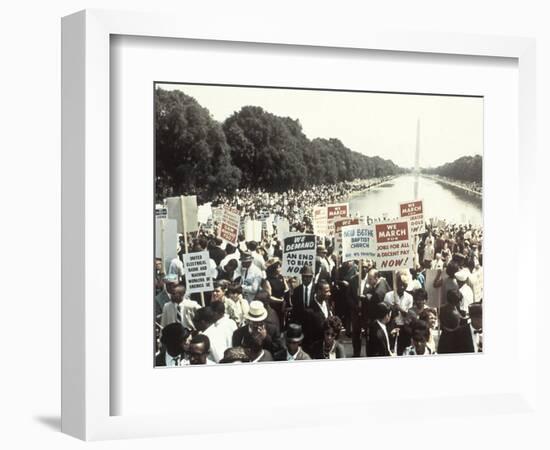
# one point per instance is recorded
(86, 175)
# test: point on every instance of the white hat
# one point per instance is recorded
(257, 312)
(462, 275)
(171, 278)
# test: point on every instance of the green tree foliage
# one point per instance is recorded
(192, 154)
(467, 168)
(252, 148)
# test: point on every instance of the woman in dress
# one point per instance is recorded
(329, 347)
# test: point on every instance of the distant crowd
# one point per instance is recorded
(295, 206)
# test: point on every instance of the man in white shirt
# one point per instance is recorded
(176, 268)
(400, 301)
(225, 326)
(205, 320)
(462, 277)
(250, 277)
(258, 259)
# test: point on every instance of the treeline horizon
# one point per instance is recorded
(466, 168)
(253, 148)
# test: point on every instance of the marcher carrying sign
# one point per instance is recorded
(299, 250)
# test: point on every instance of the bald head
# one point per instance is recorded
(372, 277)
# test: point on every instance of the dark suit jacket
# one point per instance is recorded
(313, 324)
(317, 350)
(272, 341)
(217, 254)
(160, 359)
(460, 341)
(298, 304)
(377, 344)
(362, 303)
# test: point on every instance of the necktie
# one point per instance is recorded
(176, 361)
(178, 314)
(306, 297)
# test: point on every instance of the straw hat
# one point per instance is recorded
(272, 261)
(257, 312)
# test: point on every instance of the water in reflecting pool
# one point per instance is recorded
(440, 200)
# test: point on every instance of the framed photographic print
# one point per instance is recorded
(260, 207)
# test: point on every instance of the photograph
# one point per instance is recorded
(295, 224)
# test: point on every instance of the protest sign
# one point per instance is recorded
(198, 277)
(476, 279)
(204, 212)
(298, 250)
(414, 211)
(184, 210)
(338, 225)
(320, 224)
(283, 228)
(393, 245)
(160, 212)
(358, 242)
(336, 211)
(166, 241)
(253, 230)
(229, 226)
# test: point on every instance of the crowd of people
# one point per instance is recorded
(256, 314)
(470, 185)
(295, 206)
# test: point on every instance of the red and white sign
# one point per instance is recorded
(320, 224)
(229, 227)
(336, 211)
(414, 211)
(393, 245)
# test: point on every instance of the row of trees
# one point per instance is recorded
(467, 168)
(253, 148)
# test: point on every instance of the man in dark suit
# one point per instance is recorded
(378, 343)
(293, 350)
(173, 340)
(302, 297)
(316, 314)
(357, 304)
(469, 338)
(215, 251)
(258, 319)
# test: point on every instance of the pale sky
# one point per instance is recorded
(375, 124)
